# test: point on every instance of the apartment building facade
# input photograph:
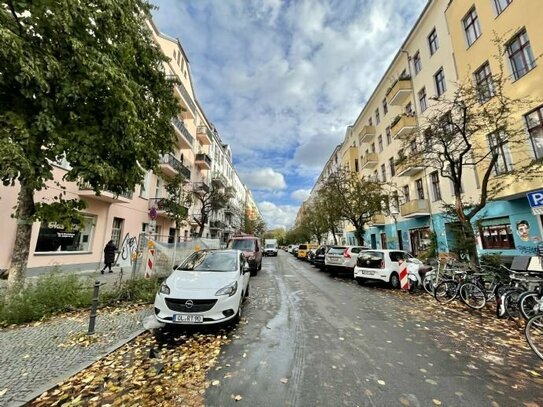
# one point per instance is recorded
(139, 211)
(442, 49)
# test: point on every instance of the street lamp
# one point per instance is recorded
(393, 211)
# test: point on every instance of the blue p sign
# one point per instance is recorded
(535, 198)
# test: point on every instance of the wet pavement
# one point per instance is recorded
(313, 340)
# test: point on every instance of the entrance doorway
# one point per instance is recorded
(420, 240)
(373, 240)
(384, 241)
(400, 239)
(171, 235)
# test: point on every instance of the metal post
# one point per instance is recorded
(94, 306)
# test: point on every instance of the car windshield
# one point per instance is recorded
(210, 261)
(270, 246)
(242, 244)
(302, 247)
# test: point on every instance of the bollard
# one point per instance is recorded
(94, 306)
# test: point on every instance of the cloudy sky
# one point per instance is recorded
(282, 79)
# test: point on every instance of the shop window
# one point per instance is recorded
(54, 237)
(496, 234)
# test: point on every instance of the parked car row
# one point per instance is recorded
(363, 263)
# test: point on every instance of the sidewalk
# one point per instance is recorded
(35, 358)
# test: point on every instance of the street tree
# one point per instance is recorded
(253, 225)
(82, 82)
(315, 222)
(178, 201)
(475, 131)
(326, 208)
(356, 199)
(209, 199)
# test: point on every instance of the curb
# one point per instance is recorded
(69, 373)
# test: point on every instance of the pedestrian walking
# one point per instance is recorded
(109, 256)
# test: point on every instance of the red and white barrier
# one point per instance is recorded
(150, 260)
(404, 281)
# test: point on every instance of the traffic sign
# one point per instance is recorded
(536, 201)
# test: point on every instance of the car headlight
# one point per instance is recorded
(229, 290)
(164, 289)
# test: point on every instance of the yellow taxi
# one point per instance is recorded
(303, 250)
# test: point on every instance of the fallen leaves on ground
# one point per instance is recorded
(145, 371)
(82, 339)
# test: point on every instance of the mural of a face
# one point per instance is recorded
(523, 230)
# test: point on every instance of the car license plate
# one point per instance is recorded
(332, 260)
(188, 318)
(368, 272)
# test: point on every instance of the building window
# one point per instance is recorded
(377, 116)
(392, 167)
(422, 100)
(471, 26)
(385, 106)
(436, 190)
(383, 173)
(520, 55)
(534, 123)
(375, 176)
(439, 79)
(116, 231)
(419, 188)
(500, 147)
(356, 164)
(417, 63)
(389, 135)
(496, 234)
(370, 121)
(409, 109)
(373, 147)
(501, 5)
(414, 146)
(405, 191)
(380, 143)
(432, 42)
(484, 82)
(53, 237)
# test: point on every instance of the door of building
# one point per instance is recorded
(373, 239)
(400, 239)
(171, 235)
(383, 240)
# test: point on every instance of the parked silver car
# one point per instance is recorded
(342, 259)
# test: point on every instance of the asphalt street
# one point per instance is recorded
(309, 339)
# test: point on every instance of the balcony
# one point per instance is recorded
(403, 126)
(229, 210)
(415, 209)
(86, 190)
(216, 224)
(158, 204)
(367, 134)
(370, 160)
(186, 141)
(203, 161)
(204, 136)
(399, 92)
(169, 165)
(378, 219)
(219, 180)
(406, 167)
(183, 95)
(200, 187)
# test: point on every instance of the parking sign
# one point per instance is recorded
(536, 201)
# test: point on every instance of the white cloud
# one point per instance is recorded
(265, 178)
(301, 194)
(277, 216)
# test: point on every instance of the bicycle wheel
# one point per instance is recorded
(473, 296)
(528, 304)
(446, 291)
(510, 302)
(429, 284)
(534, 334)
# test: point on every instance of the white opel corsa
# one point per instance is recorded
(207, 288)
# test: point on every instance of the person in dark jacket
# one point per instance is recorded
(109, 256)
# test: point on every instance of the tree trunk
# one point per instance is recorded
(470, 243)
(359, 235)
(333, 229)
(21, 249)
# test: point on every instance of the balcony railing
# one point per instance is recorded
(404, 125)
(407, 167)
(367, 134)
(157, 203)
(216, 224)
(204, 135)
(370, 160)
(219, 179)
(183, 91)
(415, 208)
(105, 195)
(178, 124)
(399, 91)
(202, 159)
(201, 187)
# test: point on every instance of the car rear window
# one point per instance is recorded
(242, 244)
(302, 247)
(370, 259)
(337, 250)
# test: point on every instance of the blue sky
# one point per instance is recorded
(282, 79)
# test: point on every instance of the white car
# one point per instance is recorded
(382, 265)
(207, 288)
(342, 259)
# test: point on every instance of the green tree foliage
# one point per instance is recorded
(297, 235)
(178, 201)
(325, 208)
(355, 199)
(315, 222)
(466, 133)
(253, 226)
(278, 234)
(83, 81)
(209, 199)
